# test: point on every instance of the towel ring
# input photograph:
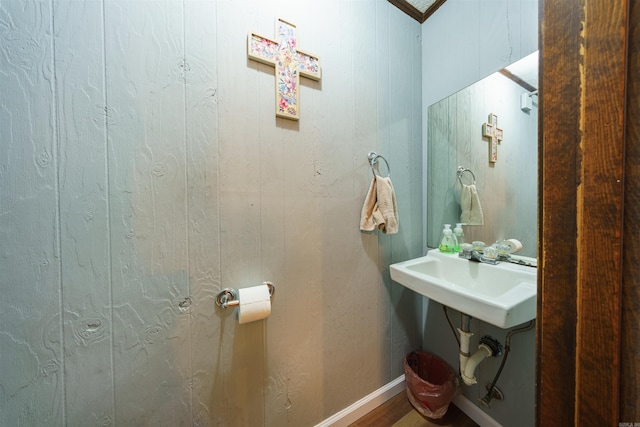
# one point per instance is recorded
(461, 170)
(373, 160)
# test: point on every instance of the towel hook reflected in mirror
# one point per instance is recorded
(373, 160)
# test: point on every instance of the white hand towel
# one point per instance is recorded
(370, 215)
(380, 209)
(470, 204)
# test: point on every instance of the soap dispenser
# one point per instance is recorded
(448, 242)
(459, 236)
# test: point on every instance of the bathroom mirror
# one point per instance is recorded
(506, 185)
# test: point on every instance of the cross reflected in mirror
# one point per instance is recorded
(495, 135)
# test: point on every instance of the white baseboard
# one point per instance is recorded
(365, 405)
(475, 413)
(368, 403)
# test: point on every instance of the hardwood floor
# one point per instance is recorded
(398, 412)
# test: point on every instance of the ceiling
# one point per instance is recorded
(421, 5)
(523, 72)
(419, 10)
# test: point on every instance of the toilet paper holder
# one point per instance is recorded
(228, 297)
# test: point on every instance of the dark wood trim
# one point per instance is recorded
(415, 13)
(558, 180)
(600, 213)
(630, 353)
(584, 201)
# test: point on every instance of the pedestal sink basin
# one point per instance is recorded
(503, 295)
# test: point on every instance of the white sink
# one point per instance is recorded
(503, 295)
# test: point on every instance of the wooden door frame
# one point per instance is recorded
(587, 343)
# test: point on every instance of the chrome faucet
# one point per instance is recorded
(474, 255)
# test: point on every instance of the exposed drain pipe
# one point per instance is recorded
(465, 337)
(488, 347)
(507, 347)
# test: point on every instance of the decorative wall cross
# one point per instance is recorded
(290, 64)
(494, 133)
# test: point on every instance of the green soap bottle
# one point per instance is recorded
(448, 241)
(459, 236)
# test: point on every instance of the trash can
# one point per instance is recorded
(431, 383)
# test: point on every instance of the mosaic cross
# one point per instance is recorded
(494, 133)
(290, 64)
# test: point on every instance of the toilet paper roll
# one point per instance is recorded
(514, 245)
(254, 303)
